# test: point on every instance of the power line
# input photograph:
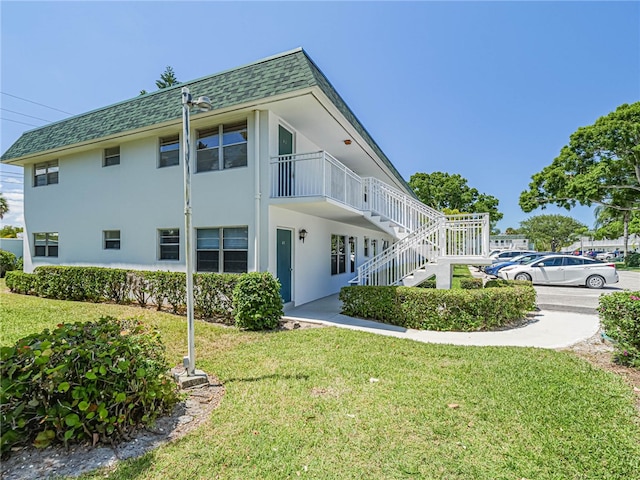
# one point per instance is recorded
(25, 115)
(35, 103)
(16, 121)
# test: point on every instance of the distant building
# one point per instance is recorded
(587, 244)
(510, 242)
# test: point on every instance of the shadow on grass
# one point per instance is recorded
(268, 377)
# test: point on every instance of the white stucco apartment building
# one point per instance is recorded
(285, 179)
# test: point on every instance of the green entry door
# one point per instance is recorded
(284, 263)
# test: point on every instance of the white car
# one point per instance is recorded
(563, 270)
(605, 256)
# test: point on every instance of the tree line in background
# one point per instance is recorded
(600, 166)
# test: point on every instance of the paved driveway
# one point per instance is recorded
(582, 299)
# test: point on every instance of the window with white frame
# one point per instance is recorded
(111, 239)
(111, 156)
(45, 173)
(45, 244)
(366, 247)
(374, 247)
(169, 244)
(222, 147)
(231, 258)
(352, 253)
(338, 254)
(169, 151)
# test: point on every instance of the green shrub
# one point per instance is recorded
(445, 310)
(501, 283)
(213, 295)
(620, 319)
(83, 382)
(470, 283)
(8, 262)
(632, 260)
(430, 283)
(257, 302)
(168, 287)
(20, 282)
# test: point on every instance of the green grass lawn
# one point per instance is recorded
(300, 403)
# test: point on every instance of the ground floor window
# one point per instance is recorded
(366, 247)
(352, 253)
(338, 254)
(169, 242)
(111, 239)
(46, 244)
(227, 256)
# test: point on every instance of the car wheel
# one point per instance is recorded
(523, 276)
(595, 281)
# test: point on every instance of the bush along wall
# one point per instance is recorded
(444, 310)
(213, 292)
(94, 381)
(620, 319)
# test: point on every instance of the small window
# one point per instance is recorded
(45, 244)
(374, 247)
(366, 247)
(111, 156)
(169, 151)
(169, 244)
(338, 254)
(111, 239)
(45, 173)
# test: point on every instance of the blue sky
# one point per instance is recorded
(488, 90)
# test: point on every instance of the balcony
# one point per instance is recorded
(316, 174)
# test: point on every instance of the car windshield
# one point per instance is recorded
(531, 260)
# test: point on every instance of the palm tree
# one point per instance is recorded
(4, 206)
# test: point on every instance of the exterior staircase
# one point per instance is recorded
(428, 241)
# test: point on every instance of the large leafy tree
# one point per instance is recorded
(446, 192)
(612, 223)
(551, 232)
(599, 166)
(4, 206)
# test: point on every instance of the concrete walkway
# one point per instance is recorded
(547, 328)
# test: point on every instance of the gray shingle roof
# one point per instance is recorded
(273, 76)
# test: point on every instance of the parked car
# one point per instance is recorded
(605, 256)
(563, 270)
(507, 255)
(519, 260)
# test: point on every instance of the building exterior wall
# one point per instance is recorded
(13, 245)
(135, 197)
(312, 276)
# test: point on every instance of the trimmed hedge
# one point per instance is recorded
(83, 382)
(213, 292)
(443, 310)
(257, 301)
(8, 262)
(620, 318)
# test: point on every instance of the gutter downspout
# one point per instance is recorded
(258, 193)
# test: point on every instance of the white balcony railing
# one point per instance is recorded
(432, 234)
(315, 174)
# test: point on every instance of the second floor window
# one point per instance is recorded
(45, 173)
(222, 147)
(169, 151)
(111, 156)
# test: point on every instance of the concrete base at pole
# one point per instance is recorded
(185, 380)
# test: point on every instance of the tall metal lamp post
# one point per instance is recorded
(202, 103)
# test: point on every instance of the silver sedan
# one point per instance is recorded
(563, 270)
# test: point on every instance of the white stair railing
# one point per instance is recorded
(402, 258)
(391, 204)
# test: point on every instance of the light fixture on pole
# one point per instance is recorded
(201, 103)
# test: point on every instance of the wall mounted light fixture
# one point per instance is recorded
(302, 234)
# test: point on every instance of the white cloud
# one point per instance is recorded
(15, 216)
